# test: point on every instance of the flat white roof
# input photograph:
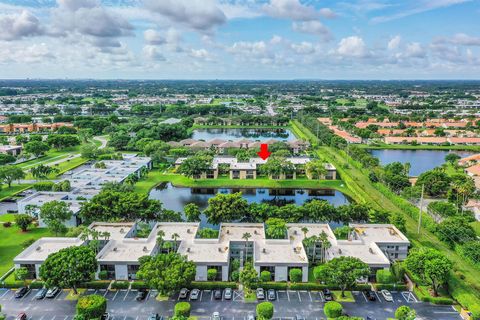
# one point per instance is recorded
(379, 233)
(42, 248)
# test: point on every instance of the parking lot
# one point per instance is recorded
(309, 304)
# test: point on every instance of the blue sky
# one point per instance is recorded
(240, 39)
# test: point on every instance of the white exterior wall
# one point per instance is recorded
(304, 274)
(281, 273)
(201, 274)
(224, 273)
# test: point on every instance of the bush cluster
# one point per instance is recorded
(92, 306)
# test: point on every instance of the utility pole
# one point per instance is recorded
(421, 210)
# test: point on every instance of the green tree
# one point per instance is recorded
(10, 173)
(91, 306)
(275, 166)
(429, 265)
(342, 271)
(21, 274)
(42, 171)
(333, 309)
(436, 182)
(54, 214)
(455, 230)
(265, 310)
(265, 276)
(248, 277)
(405, 313)
(69, 267)
(226, 207)
(182, 309)
(167, 273)
(295, 275)
(192, 212)
(195, 165)
(316, 168)
(212, 274)
(276, 228)
(36, 148)
(23, 221)
(452, 158)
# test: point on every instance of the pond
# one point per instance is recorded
(420, 160)
(175, 198)
(236, 134)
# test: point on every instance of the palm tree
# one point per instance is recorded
(143, 171)
(406, 168)
(246, 236)
(305, 231)
(160, 236)
(325, 244)
(175, 237)
(131, 179)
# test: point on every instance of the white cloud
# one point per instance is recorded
(201, 15)
(290, 9)
(303, 48)
(414, 50)
(312, 27)
(394, 43)
(201, 54)
(153, 53)
(18, 26)
(353, 46)
(154, 37)
(464, 40)
(327, 13)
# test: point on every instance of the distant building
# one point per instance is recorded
(12, 150)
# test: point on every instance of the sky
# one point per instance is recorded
(240, 39)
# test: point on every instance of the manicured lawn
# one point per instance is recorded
(476, 226)
(11, 243)
(156, 177)
(337, 296)
(9, 217)
(62, 167)
(6, 192)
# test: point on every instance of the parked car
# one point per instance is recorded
(387, 295)
(183, 293)
(106, 316)
(21, 316)
(369, 295)
(327, 295)
(41, 294)
(194, 294)
(51, 293)
(260, 294)
(250, 317)
(21, 292)
(217, 294)
(154, 316)
(141, 295)
(227, 293)
(216, 316)
(271, 294)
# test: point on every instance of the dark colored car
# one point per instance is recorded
(52, 293)
(21, 292)
(141, 295)
(369, 295)
(271, 294)
(217, 294)
(154, 316)
(41, 294)
(106, 316)
(327, 294)
(21, 316)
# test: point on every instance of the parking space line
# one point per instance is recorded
(288, 296)
(41, 318)
(105, 294)
(310, 295)
(26, 295)
(113, 299)
(299, 298)
(201, 294)
(364, 296)
(54, 317)
(148, 295)
(378, 296)
(6, 291)
(66, 317)
(126, 296)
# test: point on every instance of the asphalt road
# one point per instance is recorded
(122, 306)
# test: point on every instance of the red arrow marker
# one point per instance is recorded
(264, 153)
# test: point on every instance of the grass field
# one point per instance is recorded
(11, 243)
(6, 192)
(476, 226)
(156, 177)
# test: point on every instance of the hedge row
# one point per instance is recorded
(212, 285)
(424, 295)
(120, 285)
(139, 285)
(95, 284)
(391, 286)
(305, 286)
(37, 285)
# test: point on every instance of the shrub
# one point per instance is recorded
(404, 313)
(265, 276)
(212, 274)
(7, 224)
(182, 309)
(95, 284)
(391, 286)
(43, 186)
(206, 285)
(265, 311)
(384, 276)
(333, 309)
(235, 275)
(139, 285)
(423, 295)
(102, 275)
(23, 221)
(92, 306)
(37, 284)
(27, 243)
(295, 275)
(120, 285)
(271, 285)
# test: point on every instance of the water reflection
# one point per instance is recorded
(234, 134)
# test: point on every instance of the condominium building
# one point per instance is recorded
(378, 245)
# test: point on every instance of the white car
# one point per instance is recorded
(387, 295)
(216, 316)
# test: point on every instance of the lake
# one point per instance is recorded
(235, 134)
(420, 160)
(175, 198)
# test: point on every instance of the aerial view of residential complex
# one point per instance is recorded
(239, 159)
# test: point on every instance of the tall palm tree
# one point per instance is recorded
(246, 236)
(175, 237)
(406, 168)
(325, 244)
(305, 231)
(160, 236)
(143, 171)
